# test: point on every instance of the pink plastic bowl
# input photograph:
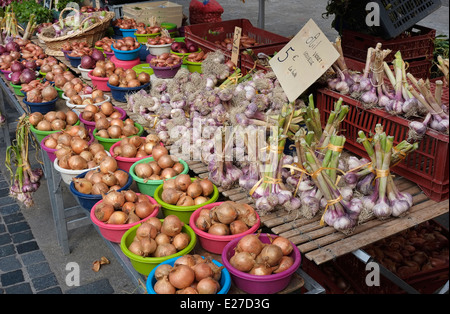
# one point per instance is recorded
(214, 243)
(90, 125)
(51, 151)
(114, 233)
(99, 82)
(124, 63)
(254, 284)
(125, 163)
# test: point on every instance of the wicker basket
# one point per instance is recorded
(89, 35)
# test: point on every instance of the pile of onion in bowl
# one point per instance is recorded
(107, 177)
(189, 274)
(124, 207)
(53, 121)
(261, 263)
(135, 147)
(217, 224)
(115, 128)
(183, 191)
(99, 107)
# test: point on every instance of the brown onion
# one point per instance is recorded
(181, 276)
(103, 211)
(284, 244)
(159, 151)
(172, 225)
(250, 243)
(219, 229)
(143, 170)
(166, 161)
(162, 270)
(146, 231)
(167, 173)
(115, 198)
(82, 185)
(155, 222)
(182, 182)
(164, 249)
(117, 218)
(194, 190)
(208, 286)
(136, 248)
(202, 270)
(121, 176)
(285, 263)
(225, 213)
(181, 241)
(162, 238)
(130, 196)
(270, 254)
(109, 164)
(238, 226)
(207, 186)
(170, 196)
(144, 209)
(163, 286)
(77, 162)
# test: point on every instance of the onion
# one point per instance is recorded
(208, 286)
(194, 190)
(270, 254)
(121, 176)
(77, 162)
(207, 186)
(261, 270)
(115, 198)
(103, 211)
(167, 173)
(284, 244)
(187, 260)
(78, 145)
(181, 276)
(109, 164)
(82, 185)
(250, 243)
(146, 231)
(136, 248)
(143, 170)
(163, 270)
(202, 270)
(117, 218)
(185, 200)
(130, 196)
(225, 213)
(99, 188)
(172, 225)
(203, 222)
(182, 182)
(219, 229)
(49, 93)
(181, 241)
(163, 286)
(238, 226)
(164, 249)
(159, 151)
(242, 261)
(128, 151)
(155, 222)
(162, 238)
(144, 209)
(285, 263)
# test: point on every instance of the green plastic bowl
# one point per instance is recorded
(193, 66)
(41, 134)
(108, 142)
(143, 67)
(17, 90)
(60, 92)
(184, 55)
(99, 48)
(144, 265)
(149, 187)
(182, 212)
(142, 38)
(169, 26)
(179, 39)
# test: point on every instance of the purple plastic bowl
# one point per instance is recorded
(90, 125)
(6, 73)
(51, 151)
(149, 57)
(254, 284)
(166, 72)
(108, 54)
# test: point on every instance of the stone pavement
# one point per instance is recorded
(31, 262)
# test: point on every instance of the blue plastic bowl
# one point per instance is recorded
(126, 55)
(74, 61)
(128, 32)
(87, 201)
(119, 93)
(42, 107)
(143, 53)
(225, 279)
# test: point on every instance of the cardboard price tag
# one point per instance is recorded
(303, 60)
(236, 44)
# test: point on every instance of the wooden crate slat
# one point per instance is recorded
(228, 193)
(296, 223)
(386, 229)
(285, 218)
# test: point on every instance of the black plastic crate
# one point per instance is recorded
(396, 16)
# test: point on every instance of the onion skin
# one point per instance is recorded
(163, 286)
(284, 244)
(181, 276)
(250, 243)
(162, 270)
(117, 218)
(172, 225)
(242, 261)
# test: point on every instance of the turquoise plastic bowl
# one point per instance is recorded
(149, 187)
(126, 55)
(128, 32)
(225, 278)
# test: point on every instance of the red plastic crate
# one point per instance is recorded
(424, 281)
(420, 68)
(428, 166)
(414, 44)
(247, 62)
(206, 34)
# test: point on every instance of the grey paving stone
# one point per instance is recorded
(32, 257)
(54, 290)
(11, 278)
(23, 288)
(9, 209)
(39, 270)
(27, 247)
(101, 286)
(18, 227)
(9, 263)
(7, 200)
(21, 237)
(44, 282)
(12, 218)
(5, 238)
(7, 250)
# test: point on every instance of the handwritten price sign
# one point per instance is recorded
(303, 60)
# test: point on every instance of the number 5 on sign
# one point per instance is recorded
(303, 60)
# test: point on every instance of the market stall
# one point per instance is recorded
(209, 113)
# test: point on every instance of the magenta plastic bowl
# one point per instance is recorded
(108, 54)
(51, 151)
(90, 125)
(114, 233)
(214, 243)
(255, 284)
(125, 163)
